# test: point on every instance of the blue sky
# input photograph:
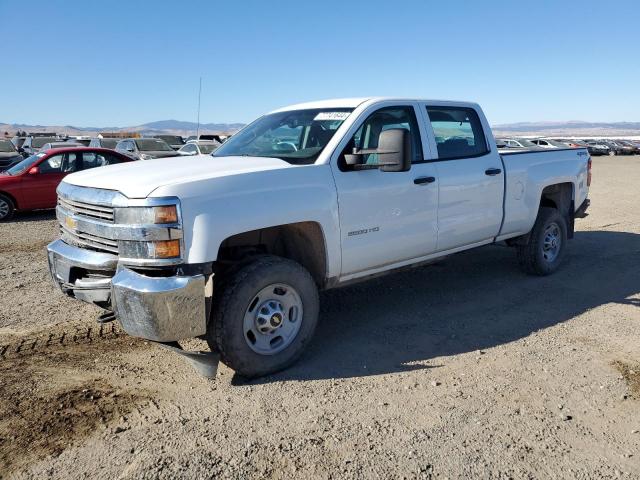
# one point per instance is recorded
(123, 63)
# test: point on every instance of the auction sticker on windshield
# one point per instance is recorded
(331, 116)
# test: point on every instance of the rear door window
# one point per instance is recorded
(458, 132)
(93, 160)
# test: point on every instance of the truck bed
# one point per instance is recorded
(528, 172)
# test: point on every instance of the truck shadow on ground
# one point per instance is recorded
(471, 301)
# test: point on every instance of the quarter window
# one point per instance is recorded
(458, 132)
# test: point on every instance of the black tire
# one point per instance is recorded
(7, 208)
(232, 300)
(532, 256)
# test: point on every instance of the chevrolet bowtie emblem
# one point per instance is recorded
(71, 223)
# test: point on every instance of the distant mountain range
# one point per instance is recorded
(572, 128)
(175, 127)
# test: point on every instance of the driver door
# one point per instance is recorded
(386, 218)
(40, 188)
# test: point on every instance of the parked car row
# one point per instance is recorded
(30, 173)
(24, 145)
(595, 146)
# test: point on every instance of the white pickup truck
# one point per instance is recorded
(233, 247)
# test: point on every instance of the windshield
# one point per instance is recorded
(153, 145)
(171, 139)
(208, 148)
(295, 136)
(24, 165)
(6, 146)
(109, 142)
(38, 142)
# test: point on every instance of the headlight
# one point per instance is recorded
(144, 156)
(146, 215)
(158, 249)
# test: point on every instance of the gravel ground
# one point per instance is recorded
(464, 369)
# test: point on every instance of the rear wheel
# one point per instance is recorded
(543, 253)
(7, 208)
(263, 316)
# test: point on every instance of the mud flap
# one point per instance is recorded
(205, 363)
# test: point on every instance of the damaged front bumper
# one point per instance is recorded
(157, 308)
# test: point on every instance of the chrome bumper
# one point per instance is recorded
(162, 309)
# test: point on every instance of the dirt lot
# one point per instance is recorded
(464, 369)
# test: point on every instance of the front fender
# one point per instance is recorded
(216, 209)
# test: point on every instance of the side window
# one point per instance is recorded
(70, 162)
(93, 160)
(112, 159)
(458, 132)
(51, 164)
(191, 148)
(368, 135)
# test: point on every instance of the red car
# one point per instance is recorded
(31, 184)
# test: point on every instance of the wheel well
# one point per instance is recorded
(302, 242)
(560, 197)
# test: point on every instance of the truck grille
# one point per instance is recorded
(86, 240)
(99, 212)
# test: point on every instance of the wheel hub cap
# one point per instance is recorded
(270, 316)
(273, 319)
(552, 242)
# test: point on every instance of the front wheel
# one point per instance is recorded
(543, 252)
(6, 208)
(264, 315)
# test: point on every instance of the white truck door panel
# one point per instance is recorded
(385, 217)
(470, 205)
(470, 174)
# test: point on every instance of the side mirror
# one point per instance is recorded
(394, 150)
(33, 171)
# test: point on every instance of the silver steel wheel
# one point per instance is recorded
(5, 208)
(273, 319)
(552, 242)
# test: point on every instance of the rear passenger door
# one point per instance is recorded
(470, 177)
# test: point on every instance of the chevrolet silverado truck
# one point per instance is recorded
(233, 247)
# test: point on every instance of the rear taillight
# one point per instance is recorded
(589, 172)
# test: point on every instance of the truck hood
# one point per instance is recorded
(138, 179)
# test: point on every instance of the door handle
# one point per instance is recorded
(424, 180)
(492, 171)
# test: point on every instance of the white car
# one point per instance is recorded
(233, 247)
(516, 143)
(51, 145)
(199, 147)
(548, 143)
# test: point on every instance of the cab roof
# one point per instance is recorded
(355, 102)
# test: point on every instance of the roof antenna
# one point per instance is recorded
(199, 93)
